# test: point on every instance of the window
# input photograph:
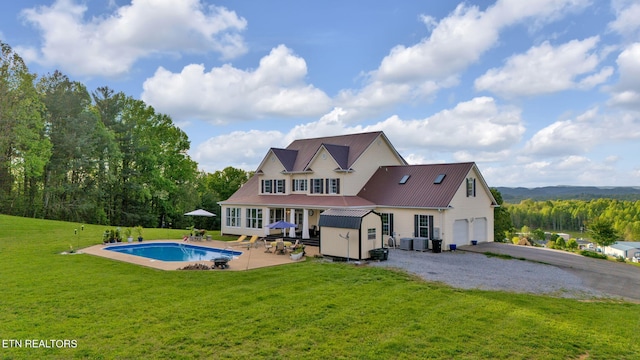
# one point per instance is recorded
(280, 186)
(316, 186)
(233, 217)
(471, 187)
(423, 225)
(333, 186)
(300, 184)
(254, 218)
(267, 186)
(371, 234)
(404, 179)
(276, 215)
(439, 179)
(387, 223)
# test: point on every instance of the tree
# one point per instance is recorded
(602, 232)
(502, 223)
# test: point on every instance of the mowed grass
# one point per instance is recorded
(312, 310)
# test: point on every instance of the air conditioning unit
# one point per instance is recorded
(436, 233)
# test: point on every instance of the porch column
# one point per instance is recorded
(292, 219)
(265, 220)
(305, 223)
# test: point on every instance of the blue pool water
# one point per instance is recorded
(173, 251)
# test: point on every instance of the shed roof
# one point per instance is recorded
(343, 218)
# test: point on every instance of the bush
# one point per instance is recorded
(572, 244)
(592, 254)
(620, 258)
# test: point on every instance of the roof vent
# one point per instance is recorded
(404, 179)
(439, 179)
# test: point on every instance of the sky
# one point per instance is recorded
(537, 93)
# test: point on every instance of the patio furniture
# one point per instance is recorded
(280, 248)
(221, 262)
(240, 239)
(294, 246)
(267, 246)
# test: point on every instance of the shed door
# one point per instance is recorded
(480, 229)
(461, 232)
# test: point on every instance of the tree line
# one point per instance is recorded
(100, 157)
(578, 215)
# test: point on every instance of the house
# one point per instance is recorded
(625, 249)
(363, 171)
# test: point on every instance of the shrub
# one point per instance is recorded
(593, 254)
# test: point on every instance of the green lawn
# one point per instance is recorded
(311, 310)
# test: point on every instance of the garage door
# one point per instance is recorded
(480, 229)
(461, 232)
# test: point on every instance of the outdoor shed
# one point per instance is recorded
(350, 233)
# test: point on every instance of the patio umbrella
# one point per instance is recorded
(200, 212)
(282, 225)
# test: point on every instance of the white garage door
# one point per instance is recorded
(461, 232)
(480, 229)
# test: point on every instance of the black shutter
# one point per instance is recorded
(313, 185)
(467, 187)
(430, 227)
(338, 186)
(326, 190)
(474, 187)
(416, 225)
(284, 186)
(390, 218)
(321, 184)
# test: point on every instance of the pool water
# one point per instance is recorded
(173, 251)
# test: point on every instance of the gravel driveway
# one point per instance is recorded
(469, 270)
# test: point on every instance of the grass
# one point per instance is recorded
(312, 309)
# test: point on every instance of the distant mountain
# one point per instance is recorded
(515, 195)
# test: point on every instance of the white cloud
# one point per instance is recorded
(627, 92)
(240, 149)
(477, 126)
(276, 88)
(110, 45)
(584, 133)
(627, 15)
(547, 69)
(417, 72)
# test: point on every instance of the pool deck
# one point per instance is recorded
(252, 258)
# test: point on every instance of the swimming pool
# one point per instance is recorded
(173, 251)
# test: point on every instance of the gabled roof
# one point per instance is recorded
(340, 154)
(420, 189)
(345, 150)
(286, 157)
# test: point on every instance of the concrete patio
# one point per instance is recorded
(251, 258)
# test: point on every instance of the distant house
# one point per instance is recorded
(626, 249)
(362, 171)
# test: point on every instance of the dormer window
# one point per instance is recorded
(471, 187)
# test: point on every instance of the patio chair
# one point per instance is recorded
(252, 241)
(239, 240)
(280, 248)
(267, 246)
(294, 246)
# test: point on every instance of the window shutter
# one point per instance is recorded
(321, 183)
(416, 225)
(338, 186)
(467, 187)
(391, 224)
(326, 190)
(430, 226)
(474, 187)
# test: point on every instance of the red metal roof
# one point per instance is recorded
(248, 195)
(384, 187)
